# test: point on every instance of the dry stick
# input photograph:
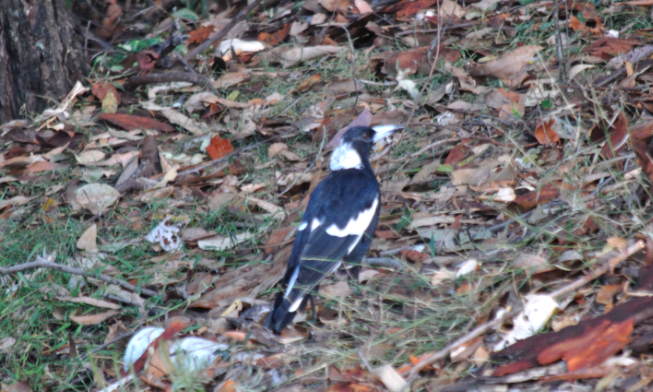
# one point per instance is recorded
(636, 247)
(353, 68)
(43, 263)
(562, 65)
(167, 77)
(225, 30)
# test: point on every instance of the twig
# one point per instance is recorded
(408, 32)
(562, 65)
(353, 61)
(414, 372)
(167, 77)
(634, 248)
(43, 263)
(473, 334)
(225, 30)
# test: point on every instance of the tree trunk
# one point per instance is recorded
(40, 60)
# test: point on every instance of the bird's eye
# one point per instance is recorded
(366, 136)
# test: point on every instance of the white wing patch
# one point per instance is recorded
(293, 279)
(295, 305)
(345, 157)
(315, 224)
(302, 226)
(357, 225)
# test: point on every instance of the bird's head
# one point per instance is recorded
(355, 145)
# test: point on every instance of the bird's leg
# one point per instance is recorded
(307, 298)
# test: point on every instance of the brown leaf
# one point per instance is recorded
(545, 134)
(277, 37)
(17, 387)
(335, 5)
(200, 34)
(131, 123)
(307, 83)
(109, 22)
(414, 256)
(147, 59)
(608, 47)
(417, 60)
(605, 296)
(592, 20)
(100, 90)
(407, 8)
(618, 138)
(277, 237)
(530, 200)
(641, 131)
(94, 319)
(644, 154)
(508, 65)
(219, 147)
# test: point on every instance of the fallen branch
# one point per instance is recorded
(609, 266)
(167, 77)
(225, 30)
(634, 248)
(43, 263)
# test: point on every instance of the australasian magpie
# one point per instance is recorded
(338, 225)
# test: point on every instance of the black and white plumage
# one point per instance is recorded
(338, 225)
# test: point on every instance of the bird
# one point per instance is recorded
(338, 224)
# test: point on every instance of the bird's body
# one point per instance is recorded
(337, 227)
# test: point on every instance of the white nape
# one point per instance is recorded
(345, 157)
(356, 225)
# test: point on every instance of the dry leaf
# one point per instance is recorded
(93, 319)
(508, 65)
(219, 148)
(88, 240)
(96, 198)
(293, 56)
(545, 134)
(131, 123)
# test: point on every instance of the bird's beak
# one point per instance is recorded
(383, 131)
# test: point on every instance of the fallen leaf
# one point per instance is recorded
(96, 198)
(545, 134)
(88, 240)
(508, 65)
(363, 7)
(200, 34)
(293, 56)
(90, 301)
(390, 378)
(618, 137)
(93, 319)
(90, 157)
(131, 123)
(277, 37)
(219, 148)
(16, 201)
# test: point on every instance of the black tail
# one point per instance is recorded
(279, 316)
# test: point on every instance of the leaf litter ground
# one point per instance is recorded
(514, 247)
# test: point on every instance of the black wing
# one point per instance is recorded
(341, 214)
